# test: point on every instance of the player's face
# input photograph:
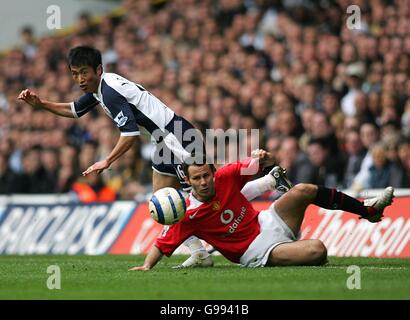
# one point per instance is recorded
(201, 178)
(86, 78)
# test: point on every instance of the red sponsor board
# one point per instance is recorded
(139, 234)
(346, 235)
(343, 233)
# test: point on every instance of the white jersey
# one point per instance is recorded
(128, 104)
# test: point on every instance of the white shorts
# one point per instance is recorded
(273, 232)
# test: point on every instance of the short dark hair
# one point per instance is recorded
(372, 123)
(321, 142)
(84, 56)
(196, 160)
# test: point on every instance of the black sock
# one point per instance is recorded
(336, 200)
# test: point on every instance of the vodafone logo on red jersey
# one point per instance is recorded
(227, 216)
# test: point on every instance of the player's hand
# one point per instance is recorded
(140, 268)
(98, 167)
(265, 158)
(30, 97)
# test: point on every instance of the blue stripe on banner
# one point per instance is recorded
(123, 221)
(157, 205)
(183, 199)
(174, 210)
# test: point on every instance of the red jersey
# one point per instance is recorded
(228, 221)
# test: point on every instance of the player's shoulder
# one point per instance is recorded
(113, 79)
(116, 82)
(227, 169)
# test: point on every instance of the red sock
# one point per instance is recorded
(336, 200)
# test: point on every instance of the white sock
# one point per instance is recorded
(195, 246)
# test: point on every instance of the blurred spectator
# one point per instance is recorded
(28, 44)
(327, 169)
(88, 154)
(322, 129)
(85, 26)
(382, 172)
(7, 177)
(33, 179)
(298, 167)
(4, 104)
(355, 154)
(49, 161)
(91, 188)
(331, 107)
(69, 168)
(288, 124)
(307, 124)
(404, 156)
(369, 135)
(361, 108)
(354, 74)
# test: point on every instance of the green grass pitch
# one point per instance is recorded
(106, 277)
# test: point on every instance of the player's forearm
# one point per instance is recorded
(123, 145)
(256, 188)
(59, 108)
(154, 255)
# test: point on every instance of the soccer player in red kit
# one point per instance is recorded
(220, 214)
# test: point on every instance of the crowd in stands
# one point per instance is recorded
(332, 102)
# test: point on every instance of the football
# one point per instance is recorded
(167, 206)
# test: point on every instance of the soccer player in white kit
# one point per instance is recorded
(219, 213)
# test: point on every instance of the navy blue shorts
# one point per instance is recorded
(174, 167)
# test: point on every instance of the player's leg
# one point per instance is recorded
(160, 180)
(303, 252)
(292, 205)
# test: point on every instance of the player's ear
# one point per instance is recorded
(187, 180)
(99, 70)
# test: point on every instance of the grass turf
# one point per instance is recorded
(106, 277)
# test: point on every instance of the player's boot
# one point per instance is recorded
(377, 205)
(198, 259)
(282, 182)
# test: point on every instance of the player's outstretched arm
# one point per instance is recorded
(61, 109)
(154, 255)
(123, 145)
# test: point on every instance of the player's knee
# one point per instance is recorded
(318, 252)
(306, 190)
